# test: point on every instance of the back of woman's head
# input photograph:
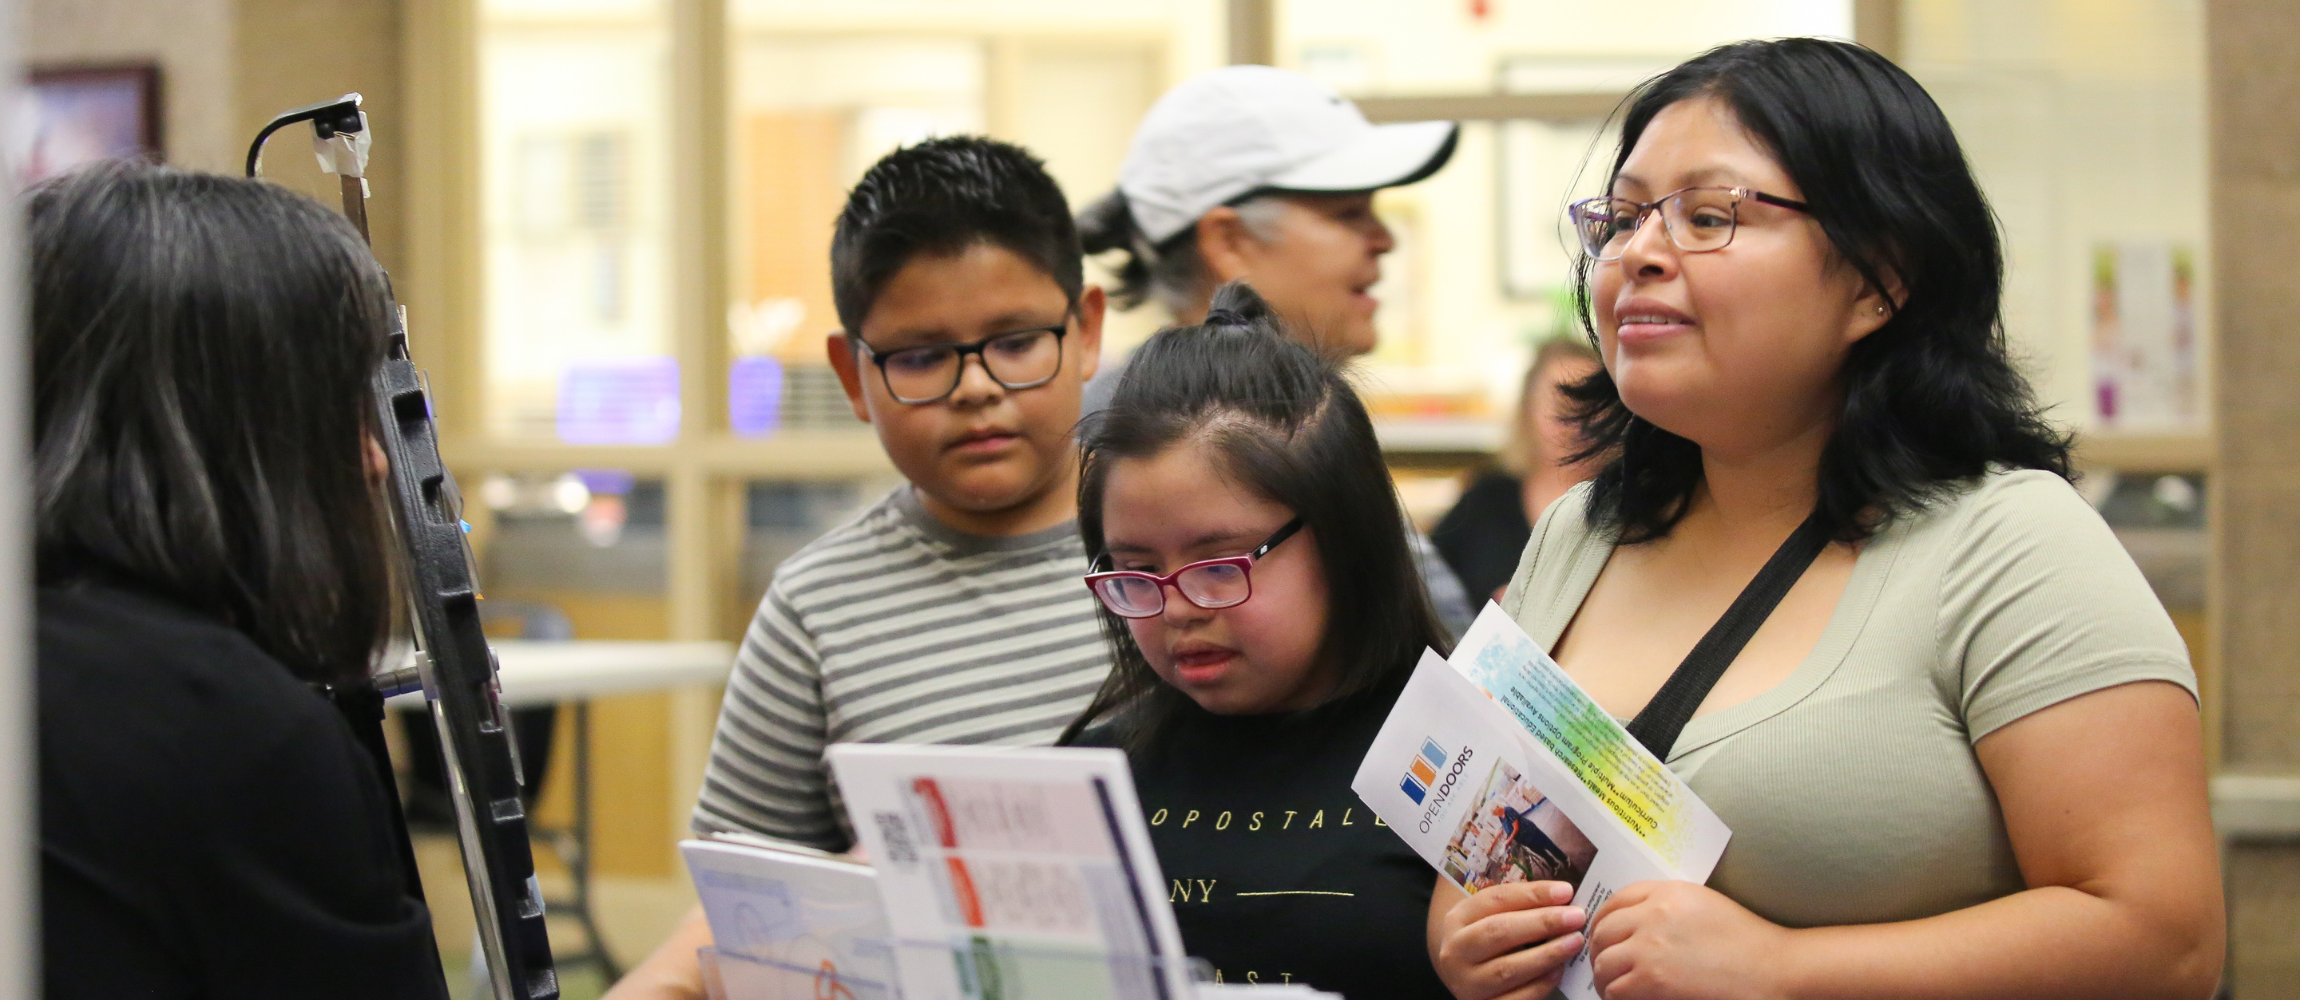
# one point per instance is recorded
(1281, 421)
(202, 348)
(1932, 396)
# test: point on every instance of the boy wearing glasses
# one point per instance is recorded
(950, 611)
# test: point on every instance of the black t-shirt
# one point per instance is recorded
(209, 827)
(1484, 534)
(1276, 872)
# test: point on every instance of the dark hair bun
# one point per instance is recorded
(1238, 304)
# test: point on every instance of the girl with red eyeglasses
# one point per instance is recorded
(1264, 612)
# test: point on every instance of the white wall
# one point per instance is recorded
(190, 39)
(2086, 124)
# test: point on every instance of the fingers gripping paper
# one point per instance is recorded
(1496, 767)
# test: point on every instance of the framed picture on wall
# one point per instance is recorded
(82, 114)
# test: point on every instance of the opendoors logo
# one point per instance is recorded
(1423, 772)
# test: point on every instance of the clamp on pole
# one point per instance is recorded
(341, 140)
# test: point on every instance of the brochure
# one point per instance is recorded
(790, 922)
(1014, 872)
(1496, 767)
(1636, 788)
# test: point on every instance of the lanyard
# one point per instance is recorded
(1658, 724)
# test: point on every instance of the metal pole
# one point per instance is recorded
(19, 890)
(1254, 32)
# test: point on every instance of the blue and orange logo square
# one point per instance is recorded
(1423, 772)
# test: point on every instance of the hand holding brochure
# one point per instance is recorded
(1496, 767)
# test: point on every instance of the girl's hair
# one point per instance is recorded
(1282, 422)
(201, 351)
(1173, 272)
(1931, 397)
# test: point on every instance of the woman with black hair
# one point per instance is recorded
(1264, 613)
(1961, 756)
(211, 543)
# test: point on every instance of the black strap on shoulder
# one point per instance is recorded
(1658, 724)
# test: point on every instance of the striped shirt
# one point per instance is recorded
(894, 628)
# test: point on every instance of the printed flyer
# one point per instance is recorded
(1496, 768)
(1014, 872)
(1635, 787)
(790, 924)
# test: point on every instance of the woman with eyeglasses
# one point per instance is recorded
(1263, 613)
(1960, 753)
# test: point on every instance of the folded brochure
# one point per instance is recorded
(1496, 767)
(1014, 872)
(788, 921)
(793, 923)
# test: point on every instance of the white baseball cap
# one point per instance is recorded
(1244, 129)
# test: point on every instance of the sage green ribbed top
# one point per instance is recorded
(1852, 788)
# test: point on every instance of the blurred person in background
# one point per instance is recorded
(1264, 175)
(212, 542)
(1483, 535)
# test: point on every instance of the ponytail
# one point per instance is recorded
(1171, 272)
(1107, 225)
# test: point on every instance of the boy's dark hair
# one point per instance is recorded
(940, 197)
(1932, 396)
(1284, 423)
(202, 349)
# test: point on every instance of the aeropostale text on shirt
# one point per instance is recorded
(1257, 820)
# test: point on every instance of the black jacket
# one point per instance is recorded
(208, 825)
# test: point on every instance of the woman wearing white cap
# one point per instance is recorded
(1264, 175)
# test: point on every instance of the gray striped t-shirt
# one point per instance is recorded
(893, 628)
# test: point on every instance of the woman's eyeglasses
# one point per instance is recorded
(1208, 583)
(1696, 219)
(1024, 359)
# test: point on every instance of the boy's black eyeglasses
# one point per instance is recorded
(1696, 219)
(1208, 583)
(1023, 359)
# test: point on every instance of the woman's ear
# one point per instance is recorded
(1876, 305)
(1225, 245)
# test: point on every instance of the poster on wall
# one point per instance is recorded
(2144, 337)
(80, 115)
